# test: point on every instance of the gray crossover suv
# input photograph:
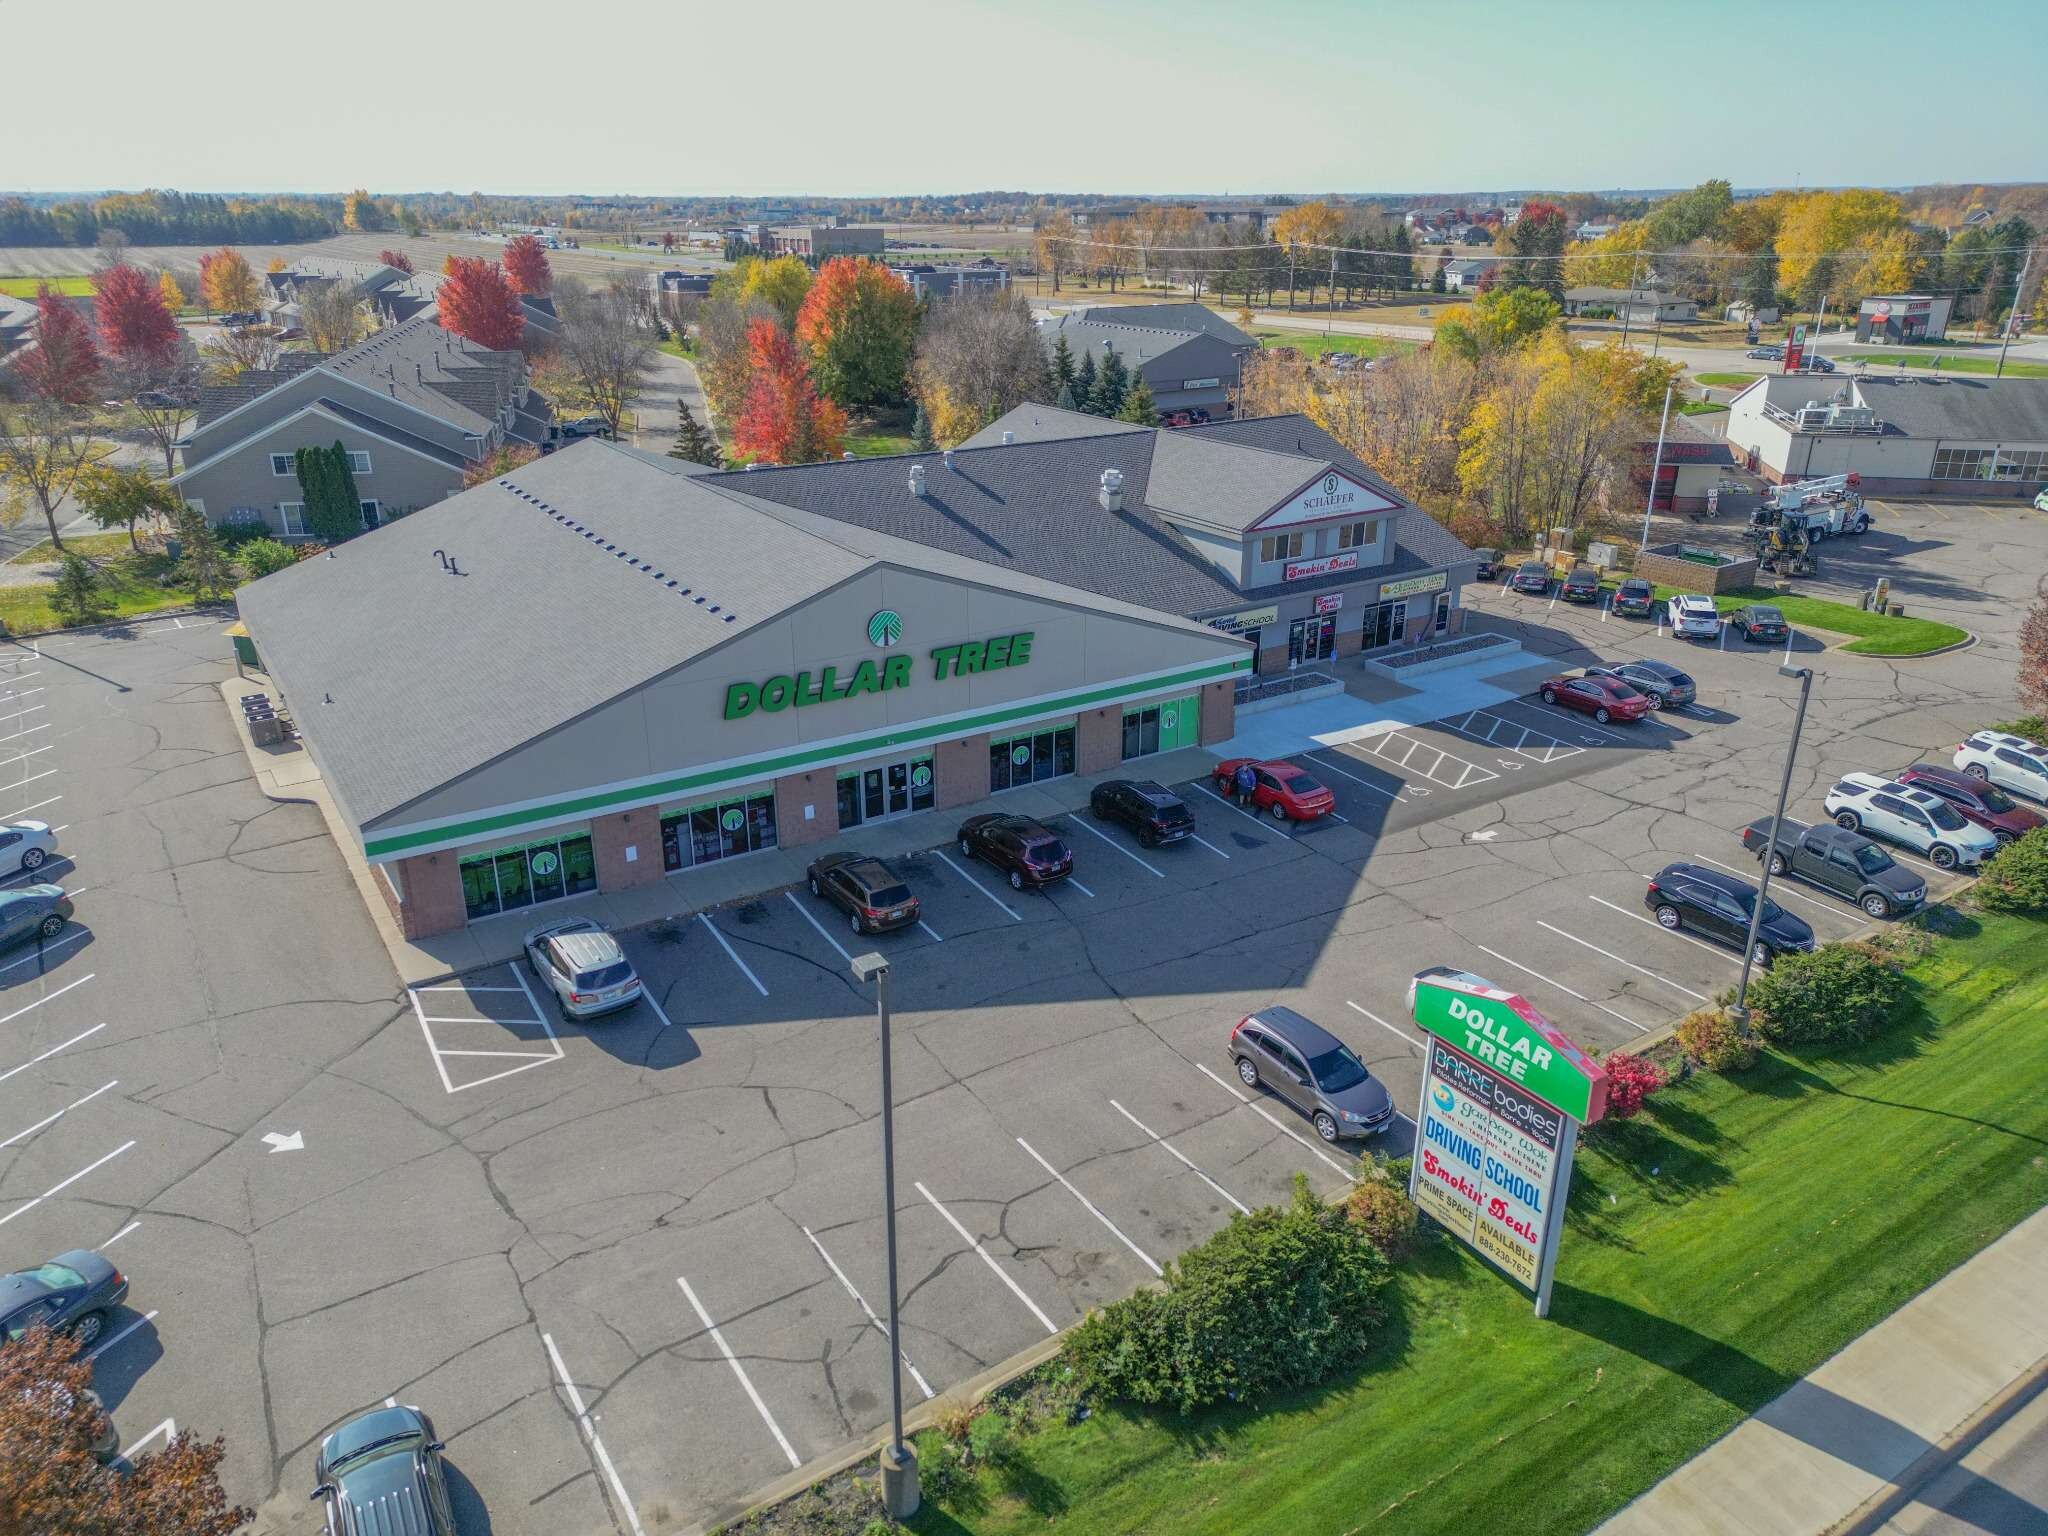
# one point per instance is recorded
(1313, 1070)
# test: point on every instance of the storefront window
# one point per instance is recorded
(507, 879)
(895, 789)
(1032, 759)
(1141, 733)
(723, 829)
(1163, 727)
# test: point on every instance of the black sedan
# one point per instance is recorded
(874, 899)
(33, 912)
(1582, 586)
(382, 1472)
(1760, 624)
(72, 1293)
(1532, 576)
(1154, 813)
(1718, 907)
(1666, 685)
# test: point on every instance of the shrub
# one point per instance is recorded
(259, 557)
(2033, 727)
(990, 1437)
(1839, 994)
(1385, 1214)
(235, 535)
(952, 1417)
(79, 597)
(1277, 1299)
(2016, 877)
(1630, 1080)
(1709, 1037)
(940, 1473)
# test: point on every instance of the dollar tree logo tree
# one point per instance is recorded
(885, 628)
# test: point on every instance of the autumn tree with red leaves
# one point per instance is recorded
(526, 265)
(476, 301)
(859, 323)
(135, 326)
(63, 366)
(783, 420)
(397, 260)
(51, 1483)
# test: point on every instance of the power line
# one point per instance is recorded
(1430, 248)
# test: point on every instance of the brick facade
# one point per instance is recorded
(611, 836)
(432, 883)
(961, 768)
(1219, 712)
(1099, 739)
(818, 789)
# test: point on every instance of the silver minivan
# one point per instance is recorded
(584, 967)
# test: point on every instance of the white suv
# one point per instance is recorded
(1902, 813)
(2010, 762)
(1693, 615)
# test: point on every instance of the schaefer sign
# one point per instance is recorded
(1503, 1095)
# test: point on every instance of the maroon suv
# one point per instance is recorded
(1027, 851)
(1981, 804)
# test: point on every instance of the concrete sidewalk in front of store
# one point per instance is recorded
(288, 773)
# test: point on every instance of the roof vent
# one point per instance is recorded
(847, 455)
(917, 480)
(948, 457)
(1009, 436)
(1112, 493)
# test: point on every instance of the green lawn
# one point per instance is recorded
(73, 283)
(676, 348)
(2015, 368)
(1880, 634)
(92, 545)
(875, 445)
(1702, 407)
(1726, 380)
(1730, 1240)
(1311, 344)
(129, 590)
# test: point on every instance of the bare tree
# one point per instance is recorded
(164, 396)
(113, 247)
(607, 343)
(44, 447)
(334, 316)
(238, 350)
(679, 312)
(981, 355)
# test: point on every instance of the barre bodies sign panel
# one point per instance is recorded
(1487, 1162)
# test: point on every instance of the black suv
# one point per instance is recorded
(381, 1472)
(1029, 852)
(1152, 811)
(1717, 907)
(1841, 861)
(874, 900)
(1582, 586)
(1635, 598)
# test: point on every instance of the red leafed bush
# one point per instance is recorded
(1630, 1080)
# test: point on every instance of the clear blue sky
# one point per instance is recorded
(831, 97)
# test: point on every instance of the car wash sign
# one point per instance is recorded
(1503, 1095)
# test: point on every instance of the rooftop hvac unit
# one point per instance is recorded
(1812, 416)
(1851, 418)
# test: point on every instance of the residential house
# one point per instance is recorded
(1638, 306)
(414, 406)
(1463, 276)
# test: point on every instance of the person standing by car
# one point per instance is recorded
(1247, 783)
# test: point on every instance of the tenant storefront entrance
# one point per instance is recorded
(895, 789)
(1045, 753)
(1163, 727)
(527, 874)
(1312, 639)
(1385, 623)
(717, 829)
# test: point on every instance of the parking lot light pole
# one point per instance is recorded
(899, 1462)
(1756, 913)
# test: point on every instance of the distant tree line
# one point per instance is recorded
(166, 218)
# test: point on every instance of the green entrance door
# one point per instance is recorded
(1180, 722)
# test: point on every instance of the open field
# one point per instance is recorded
(1314, 345)
(75, 284)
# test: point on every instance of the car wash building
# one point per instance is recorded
(607, 667)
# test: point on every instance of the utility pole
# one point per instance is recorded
(1628, 305)
(1656, 469)
(2012, 320)
(1756, 915)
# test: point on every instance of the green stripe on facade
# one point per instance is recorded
(582, 805)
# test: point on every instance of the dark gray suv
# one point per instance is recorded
(1313, 1070)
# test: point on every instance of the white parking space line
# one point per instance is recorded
(1511, 736)
(1014, 916)
(739, 1370)
(1091, 1207)
(861, 1302)
(1077, 885)
(731, 954)
(1209, 845)
(1228, 1087)
(1185, 1163)
(1787, 661)
(1383, 1024)
(95, 1353)
(456, 986)
(27, 730)
(168, 1429)
(47, 950)
(1328, 766)
(17, 815)
(998, 1270)
(47, 773)
(24, 756)
(49, 996)
(1527, 971)
(1432, 765)
(120, 1234)
(1583, 725)
(1278, 829)
(442, 1055)
(28, 709)
(1638, 917)
(1294, 1136)
(806, 916)
(427, 1031)
(53, 1119)
(1788, 878)
(928, 928)
(1119, 847)
(53, 1050)
(1610, 954)
(604, 1459)
(64, 1184)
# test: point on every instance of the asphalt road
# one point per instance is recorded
(628, 1266)
(2000, 1487)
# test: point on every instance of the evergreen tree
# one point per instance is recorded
(921, 439)
(1062, 363)
(1066, 401)
(1112, 382)
(1139, 406)
(1084, 383)
(201, 562)
(694, 443)
(333, 510)
(78, 597)
(1760, 282)
(1438, 283)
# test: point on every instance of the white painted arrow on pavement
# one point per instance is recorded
(1485, 836)
(280, 1142)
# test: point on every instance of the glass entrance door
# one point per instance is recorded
(1384, 624)
(1311, 639)
(894, 789)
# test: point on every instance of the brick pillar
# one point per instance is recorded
(817, 789)
(1349, 641)
(432, 883)
(610, 838)
(962, 770)
(1273, 661)
(1099, 739)
(1219, 712)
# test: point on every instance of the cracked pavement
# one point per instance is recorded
(442, 1247)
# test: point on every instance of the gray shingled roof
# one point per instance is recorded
(419, 363)
(1986, 410)
(1038, 423)
(1134, 343)
(1223, 484)
(1170, 317)
(391, 434)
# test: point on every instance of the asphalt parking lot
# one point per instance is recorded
(633, 1267)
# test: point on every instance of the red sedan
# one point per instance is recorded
(1604, 698)
(1279, 788)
